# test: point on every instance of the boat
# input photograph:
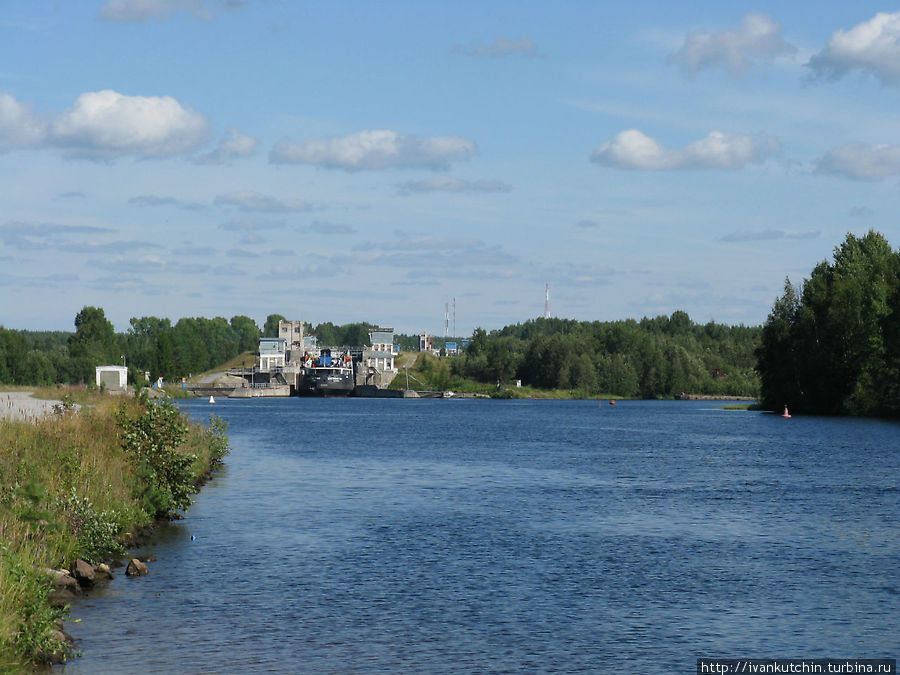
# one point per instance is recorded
(327, 376)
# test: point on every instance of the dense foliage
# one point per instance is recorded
(653, 357)
(832, 345)
(150, 345)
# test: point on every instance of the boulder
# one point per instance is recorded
(84, 573)
(62, 580)
(103, 571)
(136, 568)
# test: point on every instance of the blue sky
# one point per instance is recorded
(356, 161)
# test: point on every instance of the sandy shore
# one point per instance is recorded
(19, 405)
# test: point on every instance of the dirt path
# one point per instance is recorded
(18, 405)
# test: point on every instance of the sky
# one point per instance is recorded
(383, 162)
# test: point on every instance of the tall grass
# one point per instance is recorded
(69, 490)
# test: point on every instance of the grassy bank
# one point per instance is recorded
(75, 485)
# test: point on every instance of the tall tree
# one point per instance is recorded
(270, 328)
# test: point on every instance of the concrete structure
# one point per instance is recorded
(271, 353)
(382, 340)
(112, 378)
(292, 333)
(376, 366)
(426, 342)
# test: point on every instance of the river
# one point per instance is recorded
(472, 536)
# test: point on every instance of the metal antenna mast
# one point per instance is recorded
(547, 302)
(454, 317)
(446, 319)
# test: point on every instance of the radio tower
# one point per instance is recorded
(454, 317)
(446, 319)
(547, 302)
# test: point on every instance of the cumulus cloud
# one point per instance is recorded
(38, 236)
(324, 227)
(499, 47)
(632, 149)
(19, 126)
(757, 39)
(251, 225)
(374, 149)
(451, 184)
(140, 11)
(871, 47)
(233, 146)
(861, 161)
(157, 200)
(768, 235)
(248, 200)
(106, 124)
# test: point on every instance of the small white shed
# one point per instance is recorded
(115, 378)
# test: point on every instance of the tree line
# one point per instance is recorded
(831, 344)
(150, 345)
(655, 357)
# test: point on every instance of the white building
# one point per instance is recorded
(271, 353)
(112, 378)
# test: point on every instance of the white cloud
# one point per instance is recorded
(768, 235)
(140, 11)
(757, 39)
(325, 227)
(233, 146)
(451, 184)
(632, 149)
(251, 225)
(106, 124)
(872, 47)
(499, 47)
(376, 149)
(861, 161)
(19, 126)
(248, 200)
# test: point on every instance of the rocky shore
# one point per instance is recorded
(76, 494)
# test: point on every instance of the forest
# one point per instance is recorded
(831, 345)
(653, 357)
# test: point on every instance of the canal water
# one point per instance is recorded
(472, 536)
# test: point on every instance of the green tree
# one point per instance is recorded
(93, 344)
(247, 333)
(832, 350)
(270, 328)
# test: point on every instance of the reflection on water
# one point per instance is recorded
(355, 536)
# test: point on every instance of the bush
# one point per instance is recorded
(152, 440)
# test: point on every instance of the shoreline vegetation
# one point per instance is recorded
(79, 485)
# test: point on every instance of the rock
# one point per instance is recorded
(147, 557)
(136, 568)
(103, 570)
(63, 648)
(84, 573)
(60, 597)
(63, 580)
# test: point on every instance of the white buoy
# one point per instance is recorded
(212, 400)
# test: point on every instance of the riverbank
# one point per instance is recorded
(79, 484)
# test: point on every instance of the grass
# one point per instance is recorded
(69, 490)
(428, 372)
(248, 359)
